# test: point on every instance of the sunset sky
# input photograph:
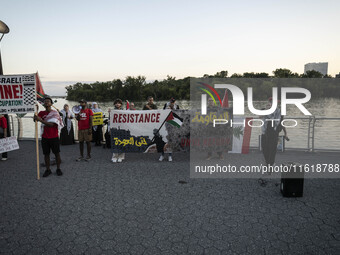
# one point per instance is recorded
(85, 41)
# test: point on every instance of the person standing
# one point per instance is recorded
(84, 118)
(50, 125)
(150, 104)
(270, 134)
(3, 133)
(118, 157)
(171, 105)
(98, 129)
(67, 133)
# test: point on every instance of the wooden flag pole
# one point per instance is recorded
(37, 142)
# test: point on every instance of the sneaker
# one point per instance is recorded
(80, 158)
(47, 172)
(161, 158)
(119, 160)
(4, 159)
(59, 172)
(88, 158)
(170, 158)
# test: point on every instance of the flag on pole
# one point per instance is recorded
(174, 120)
(225, 102)
(39, 89)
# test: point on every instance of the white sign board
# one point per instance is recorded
(8, 144)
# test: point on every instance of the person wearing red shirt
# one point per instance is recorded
(3, 133)
(50, 137)
(84, 118)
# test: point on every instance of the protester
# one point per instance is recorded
(84, 118)
(171, 105)
(150, 104)
(118, 157)
(51, 123)
(98, 129)
(132, 106)
(212, 107)
(67, 132)
(3, 133)
(270, 134)
(160, 145)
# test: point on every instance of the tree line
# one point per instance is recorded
(138, 89)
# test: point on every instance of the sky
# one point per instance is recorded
(86, 41)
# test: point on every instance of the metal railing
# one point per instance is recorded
(310, 146)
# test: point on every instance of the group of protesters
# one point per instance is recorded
(58, 122)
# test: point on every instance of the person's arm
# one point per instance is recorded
(5, 132)
(49, 124)
(285, 133)
(90, 129)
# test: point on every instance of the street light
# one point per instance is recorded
(4, 29)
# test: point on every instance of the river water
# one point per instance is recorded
(327, 132)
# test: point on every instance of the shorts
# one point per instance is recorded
(49, 144)
(83, 135)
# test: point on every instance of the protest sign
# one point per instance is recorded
(97, 118)
(8, 144)
(133, 131)
(17, 93)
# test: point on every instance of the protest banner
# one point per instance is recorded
(133, 131)
(17, 93)
(97, 118)
(8, 144)
(181, 130)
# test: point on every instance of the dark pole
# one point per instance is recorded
(4, 30)
(1, 71)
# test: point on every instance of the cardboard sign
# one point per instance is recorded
(97, 118)
(8, 144)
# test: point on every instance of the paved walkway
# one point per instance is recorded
(140, 207)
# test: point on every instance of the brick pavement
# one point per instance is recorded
(139, 207)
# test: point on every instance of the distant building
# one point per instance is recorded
(337, 75)
(321, 67)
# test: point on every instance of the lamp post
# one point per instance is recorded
(4, 29)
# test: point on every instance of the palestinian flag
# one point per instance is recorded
(39, 89)
(174, 120)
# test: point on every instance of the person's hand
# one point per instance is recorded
(287, 139)
(90, 131)
(37, 118)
